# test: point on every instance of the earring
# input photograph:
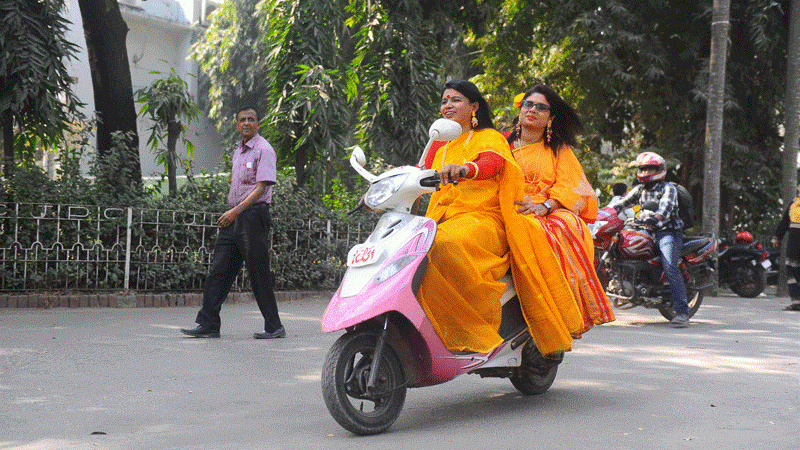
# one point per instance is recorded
(474, 120)
(519, 129)
(549, 132)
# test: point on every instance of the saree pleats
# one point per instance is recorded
(460, 292)
(572, 243)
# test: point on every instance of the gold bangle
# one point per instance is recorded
(475, 166)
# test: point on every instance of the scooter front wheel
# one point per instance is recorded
(345, 375)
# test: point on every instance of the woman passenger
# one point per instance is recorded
(553, 201)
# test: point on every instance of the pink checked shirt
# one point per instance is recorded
(253, 161)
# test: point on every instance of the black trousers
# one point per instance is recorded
(246, 240)
(793, 263)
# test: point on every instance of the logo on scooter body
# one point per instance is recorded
(363, 255)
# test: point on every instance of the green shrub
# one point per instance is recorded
(310, 235)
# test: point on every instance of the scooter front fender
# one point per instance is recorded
(345, 312)
(366, 292)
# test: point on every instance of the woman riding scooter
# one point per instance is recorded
(460, 291)
(470, 254)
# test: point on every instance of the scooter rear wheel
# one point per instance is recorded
(537, 373)
(345, 374)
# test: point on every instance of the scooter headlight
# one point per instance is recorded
(383, 189)
(394, 267)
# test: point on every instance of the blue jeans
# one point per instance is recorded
(669, 245)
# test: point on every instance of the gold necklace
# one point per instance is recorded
(444, 150)
(531, 177)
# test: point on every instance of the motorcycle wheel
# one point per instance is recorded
(537, 373)
(602, 273)
(749, 281)
(344, 385)
(695, 299)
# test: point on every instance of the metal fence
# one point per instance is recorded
(96, 248)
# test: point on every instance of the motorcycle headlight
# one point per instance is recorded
(383, 189)
(598, 224)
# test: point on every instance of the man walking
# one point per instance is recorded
(244, 234)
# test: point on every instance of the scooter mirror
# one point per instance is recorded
(444, 130)
(358, 160)
(358, 155)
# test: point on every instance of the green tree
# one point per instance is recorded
(309, 83)
(637, 71)
(308, 66)
(165, 102)
(396, 65)
(37, 104)
(285, 57)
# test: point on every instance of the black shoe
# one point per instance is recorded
(793, 307)
(279, 333)
(201, 332)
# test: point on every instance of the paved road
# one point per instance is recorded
(729, 381)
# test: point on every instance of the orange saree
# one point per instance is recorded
(461, 292)
(561, 178)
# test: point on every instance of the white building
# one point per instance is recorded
(159, 38)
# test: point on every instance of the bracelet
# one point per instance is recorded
(547, 205)
(475, 168)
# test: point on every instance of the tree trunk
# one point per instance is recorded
(8, 144)
(105, 32)
(720, 25)
(300, 167)
(792, 126)
(173, 131)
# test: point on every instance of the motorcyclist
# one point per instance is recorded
(665, 224)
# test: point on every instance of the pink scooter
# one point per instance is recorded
(390, 344)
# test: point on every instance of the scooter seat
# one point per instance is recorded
(512, 322)
(510, 291)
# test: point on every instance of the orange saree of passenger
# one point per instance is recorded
(546, 176)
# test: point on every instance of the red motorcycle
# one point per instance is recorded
(629, 266)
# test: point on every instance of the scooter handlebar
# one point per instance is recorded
(431, 181)
(434, 180)
(357, 208)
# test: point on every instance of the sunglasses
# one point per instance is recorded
(529, 104)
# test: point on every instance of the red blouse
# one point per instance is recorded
(489, 163)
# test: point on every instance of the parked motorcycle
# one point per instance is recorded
(389, 343)
(774, 256)
(629, 266)
(742, 265)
